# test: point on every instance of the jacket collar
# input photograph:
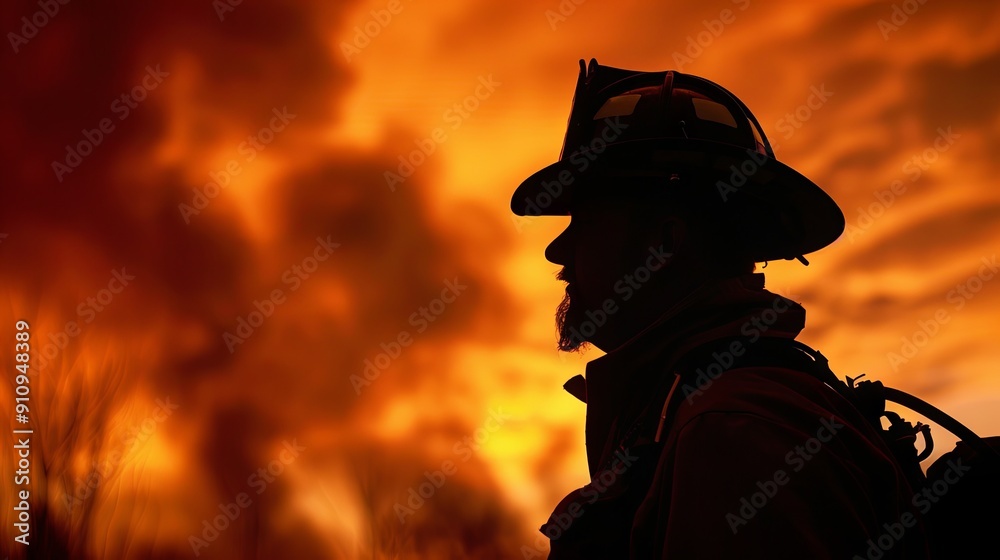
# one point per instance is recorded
(617, 382)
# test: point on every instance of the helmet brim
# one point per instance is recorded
(794, 215)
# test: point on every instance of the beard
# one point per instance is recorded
(568, 319)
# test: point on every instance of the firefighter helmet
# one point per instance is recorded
(656, 124)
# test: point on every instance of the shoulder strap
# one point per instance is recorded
(869, 397)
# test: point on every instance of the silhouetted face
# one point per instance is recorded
(610, 263)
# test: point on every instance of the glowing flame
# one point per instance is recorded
(364, 357)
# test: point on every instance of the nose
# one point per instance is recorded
(559, 251)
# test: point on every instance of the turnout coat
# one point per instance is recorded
(750, 460)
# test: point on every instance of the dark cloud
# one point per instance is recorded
(120, 207)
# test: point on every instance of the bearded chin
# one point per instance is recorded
(567, 320)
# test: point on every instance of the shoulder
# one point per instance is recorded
(770, 393)
(767, 404)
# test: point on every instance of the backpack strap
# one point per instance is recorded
(868, 397)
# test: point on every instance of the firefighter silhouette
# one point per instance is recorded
(704, 436)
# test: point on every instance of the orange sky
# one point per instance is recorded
(300, 119)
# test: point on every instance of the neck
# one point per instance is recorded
(649, 306)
